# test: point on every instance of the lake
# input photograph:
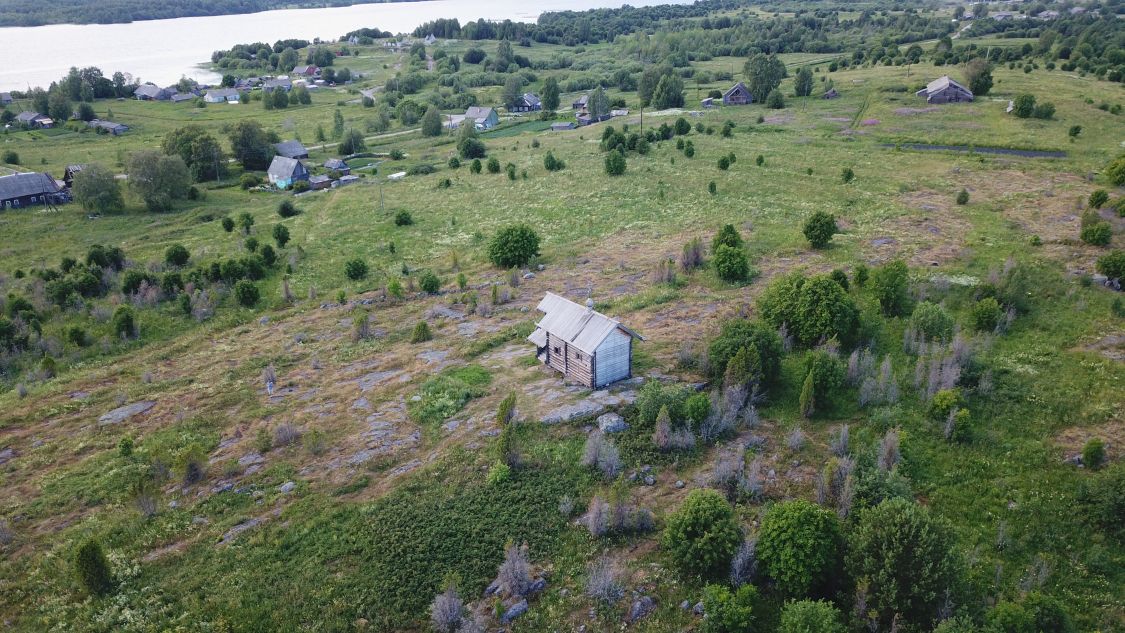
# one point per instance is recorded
(162, 51)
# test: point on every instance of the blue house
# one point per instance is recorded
(284, 172)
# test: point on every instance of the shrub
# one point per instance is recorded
(124, 321)
(246, 293)
(513, 246)
(810, 616)
(906, 555)
(1047, 614)
(77, 336)
(228, 224)
(847, 175)
(615, 163)
(454, 162)
(727, 236)
(761, 342)
(11, 157)
(799, 547)
(986, 314)
(429, 282)
(1098, 199)
(1009, 617)
(475, 166)
(963, 197)
(775, 100)
(92, 569)
(813, 308)
(176, 255)
(280, 235)
(1097, 233)
(702, 535)
(820, 228)
(731, 264)
(727, 611)
(493, 165)
(724, 163)
(191, 462)
(889, 284)
(403, 218)
(1115, 171)
(1112, 265)
(287, 209)
(932, 320)
(249, 181)
(550, 163)
(421, 333)
(355, 269)
(697, 407)
(472, 148)
(1093, 454)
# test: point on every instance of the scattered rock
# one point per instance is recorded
(435, 356)
(362, 403)
(529, 275)
(685, 605)
(79, 395)
(650, 480)
(6, 455)
(445, 311)
(582, 409)
(232, 533)
(679, 483)
(250, 459)
(372, 380)
(698, 608)
(286, 487)
(198, 520)
(264, 321)
(641, 608)
(1073, 460)
(222, 486)
(120, 414)
(612, 423)
(538, 585)
(514, 611)
(541, 268)
(491, 589)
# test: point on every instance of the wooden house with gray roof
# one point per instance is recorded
(587, 346)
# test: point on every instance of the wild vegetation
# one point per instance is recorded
(864, 400)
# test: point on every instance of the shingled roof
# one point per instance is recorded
(21, 185)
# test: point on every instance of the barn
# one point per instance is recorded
(738, 94)
(588, 347)
(27, 190)
(945, 90)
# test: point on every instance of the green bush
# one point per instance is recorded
(10, 157)
(615, 163)
(355, 269)
(654, 396)
(1112, 265)
(493, 165)
(1098, 199)
(281, 235)
(249, 181)
(810, 616)
(403, 218)
(696, 408)
(246, 293)
(124, 321)
(813, 308)
(775, 100)
(513, 246)
(475, 166)
(447, 393)
(421, 333)
(963, 197)
(702, 535)
(840, 277)
(454, 162)
(92, 569)
(890, 285)
(860, 275)
(77, 336)
(550, 163)
(820, 228)
(287, 209)
(228, 224)
(429, 282)
(727, 611)
(932, 320)
(944, 402)
(731, 264)
(176, 255)
(799, 547)
(1010, 617)
(827, 371)
(761, 340)
(986, 314)
(1097, 233)
(1093, 454)
(724, 163)
(1047, 614)
(1103, 498)
(727, 236)
(907, 557)
(1115, 171)
(847, 175)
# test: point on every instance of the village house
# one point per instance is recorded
(116, 129)
(221, 95)
(319, 182)
(588, 347)
(306, 71)
(70, 173)
(831, 93)
(1001, 16)
(709, 102)
(482, 117)
(346, 180)
(149, 92)
(271, 84)
(283, 172)
(291, 149)
(945, 90)
(34, 120)
(181, 97)
(580, 103)
(27, 190)
(1047, 15)
(430, 40)
(338, 166)
(738, 94)
(5, 98)
(560, 127)
(529, 102)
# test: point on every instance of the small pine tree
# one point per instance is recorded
(808, 397)
(421, 333)
(963, 197)
(847, 175)
(92, 569)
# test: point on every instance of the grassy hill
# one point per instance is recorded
(391, 486)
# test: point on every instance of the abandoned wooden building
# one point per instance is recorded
(738, 94)
(588, 347)
(945, 90)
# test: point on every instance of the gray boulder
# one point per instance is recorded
(513, 612)
(641, 608)
(611, 423)
(286, 487)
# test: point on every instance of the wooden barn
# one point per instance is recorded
(738, 94)
(588, 347)
(945, 90)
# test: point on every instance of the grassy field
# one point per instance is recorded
(383, 507)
